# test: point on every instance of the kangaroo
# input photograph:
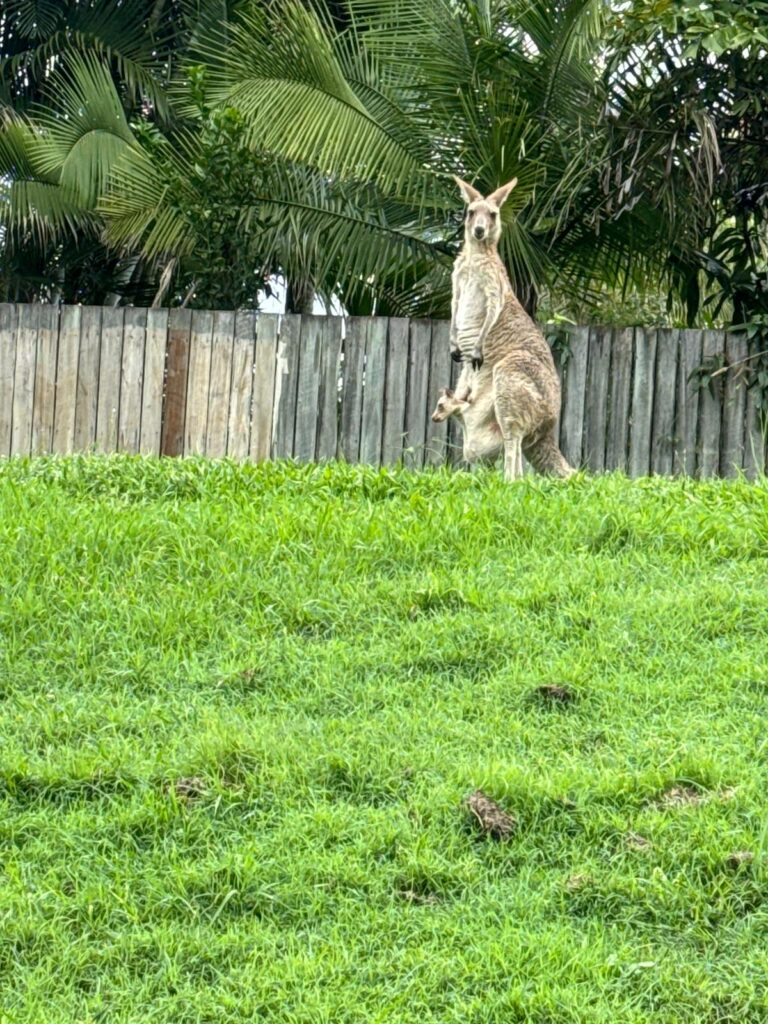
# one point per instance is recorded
(482, 436)
(512, 365)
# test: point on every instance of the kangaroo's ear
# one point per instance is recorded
(446, 392)
(470, 194)
(499, 197)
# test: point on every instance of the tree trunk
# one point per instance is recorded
(528, 297)
(299, 297)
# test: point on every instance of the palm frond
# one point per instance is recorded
(45, 211)
(135, 213)
(20, 151)
(86, 131)
(117, 34)
(337, 235)
(34, 18)
(285, 76)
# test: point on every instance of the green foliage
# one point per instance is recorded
(711, 27)
(180, 197)
(216, 142)
(141, 41)
(226, 259)
(688, 85)
(330, 659)
(692, 135)
(74, 76)
(405, 95)
(612, 308)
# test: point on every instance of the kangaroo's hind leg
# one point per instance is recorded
(510, 405)
(513, 456)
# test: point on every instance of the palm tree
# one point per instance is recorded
(408, 91)
(55, 169)
(319, 140)
(356, 115)
(688, 141)
(73, 75)
(143, 41)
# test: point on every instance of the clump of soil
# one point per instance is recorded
(428, 899)
(576, 882)
(244, 677)
(690, 796)
(189, 789)
(637, 842)
(682, 796)
(492, 819)
(739, 859)
(553, 693)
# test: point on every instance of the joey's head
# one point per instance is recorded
(447, 405)
(482, 225)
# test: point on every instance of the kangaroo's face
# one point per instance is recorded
(447, 405)
(483, 220)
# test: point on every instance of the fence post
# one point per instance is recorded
(177, 368)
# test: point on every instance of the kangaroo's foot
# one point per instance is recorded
(513, 458)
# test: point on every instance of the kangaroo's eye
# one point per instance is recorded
(493, 215)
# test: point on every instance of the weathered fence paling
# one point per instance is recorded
(260, 386)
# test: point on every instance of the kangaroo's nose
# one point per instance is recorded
(479, 232)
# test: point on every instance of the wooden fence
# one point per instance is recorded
(251, 386)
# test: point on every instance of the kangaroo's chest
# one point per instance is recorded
(473, 301)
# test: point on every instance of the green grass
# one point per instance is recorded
(341, 656)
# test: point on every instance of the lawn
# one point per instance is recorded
(241, 708)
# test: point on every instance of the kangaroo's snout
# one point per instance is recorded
(479, 231)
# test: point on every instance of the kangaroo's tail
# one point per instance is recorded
(545, 456)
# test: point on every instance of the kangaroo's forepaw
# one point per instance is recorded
(456, 355)
(477, 360)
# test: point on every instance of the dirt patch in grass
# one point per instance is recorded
(634, 841)
(187, 790)
(490, 818)
(555, 694)
(690, 796)
(739, 858)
